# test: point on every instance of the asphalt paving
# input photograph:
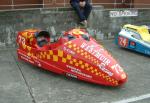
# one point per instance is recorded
(21, 82)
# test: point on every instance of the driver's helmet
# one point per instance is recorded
(42, 38)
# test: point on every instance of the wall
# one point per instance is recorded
(101, 24)
(17, 4)
(105, 3)
(142, 3)
(28, 3)
(13, 21)
(5, 2)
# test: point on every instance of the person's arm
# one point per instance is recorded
(82, 0)
(82, 3)
(74, 1)
(79, 1)
(85, 0)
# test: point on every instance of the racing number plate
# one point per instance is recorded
(122, 41)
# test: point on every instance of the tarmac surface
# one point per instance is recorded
(21, 82)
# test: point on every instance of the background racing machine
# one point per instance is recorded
(136, 38)
(74, 54)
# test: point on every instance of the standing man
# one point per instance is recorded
(83, 10)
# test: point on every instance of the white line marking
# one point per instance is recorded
(133, 99)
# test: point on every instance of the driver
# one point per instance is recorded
(43, 39)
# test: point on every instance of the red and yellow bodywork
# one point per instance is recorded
(81, 57)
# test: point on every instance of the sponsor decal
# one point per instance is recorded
(71, 75)
(25, 57)
(21, 39)
(78, 71)
(69, 51)
(30, 61)
(97, 53)
(38, 63)
(123, 42)
(102, 67)
(117, 68)
(132, 44)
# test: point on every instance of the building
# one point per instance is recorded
(19, 4)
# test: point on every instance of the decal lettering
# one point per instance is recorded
(78, 71)
(69, 51)
(38, 63)
(97, 53)
(107, 61)
(102, 67)
(30, 61)
(71, 75)
(123, 13)
(83, 45)
(117, 68)
(25, 57)
(21, 39)
(90, 48)
(123, 41)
